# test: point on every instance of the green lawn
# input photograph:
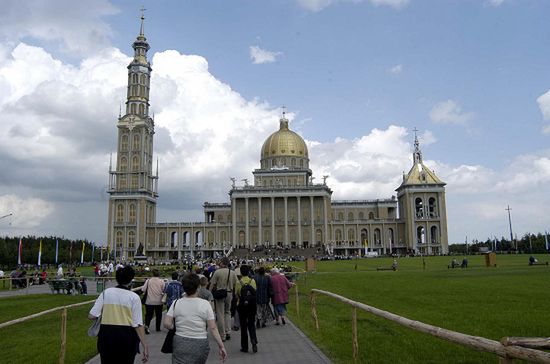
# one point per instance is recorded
(38, 340)
(510, 300)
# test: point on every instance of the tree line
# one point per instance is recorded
(69, 251)
(528, 244)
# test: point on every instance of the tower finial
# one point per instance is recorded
(284, 111)
(283, 123)
(142, 9)
(417, 154)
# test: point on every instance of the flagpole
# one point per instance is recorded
(19, 252)
(40, 253)
(56, 249)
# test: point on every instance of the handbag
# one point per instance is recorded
(93, 331)
(168, 344)
(222, 293)
(164, 298)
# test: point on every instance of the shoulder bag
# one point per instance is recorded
(94, 329)
(222, 293)
(168, 344)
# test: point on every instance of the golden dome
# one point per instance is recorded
(284, 142)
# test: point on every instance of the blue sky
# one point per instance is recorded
(356, 76)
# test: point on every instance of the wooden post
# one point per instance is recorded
(314, 310)
(297, 302)
(354, 342)
(63, 336)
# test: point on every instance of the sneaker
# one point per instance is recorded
(227, 337)
(284, 323)
(147, 332)
(255, 348)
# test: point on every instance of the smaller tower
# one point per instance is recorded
(421, 199)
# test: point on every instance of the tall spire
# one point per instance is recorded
(283, 123)
(142, 19)
(417, 154)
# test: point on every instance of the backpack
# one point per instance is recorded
(248, 296)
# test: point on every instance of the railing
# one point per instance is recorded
(507, 350)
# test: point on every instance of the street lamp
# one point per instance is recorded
(10, 214)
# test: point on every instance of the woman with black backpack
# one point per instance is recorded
(246, 307)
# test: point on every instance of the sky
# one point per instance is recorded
(356, 78)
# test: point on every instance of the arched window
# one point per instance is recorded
(351, 234)
(118, 239)
(135, 164)
(390, 236)
(134, 78)
(133, 109)
(223, 236)
(371, 215)
(419, 208)
(293, 162)
(123, 164)
(338, 235)
(210, 237)
(135, 182)
(318, 236)
(350, 216)
(364, 237)
(123, 181)
(131, 240)
(377, 240)
(432, 210)
(124, 143)
(136, 143)
(132, 214)
(341, 216)
(361, 216)
(174, 239)
(219, 218)
(420, 235)
(119, 213)
(144, 79)
(434, 236)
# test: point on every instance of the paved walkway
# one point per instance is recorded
(284, 344)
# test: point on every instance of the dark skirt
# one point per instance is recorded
(117, 344)
(190, 351)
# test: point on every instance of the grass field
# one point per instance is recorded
(509, 300)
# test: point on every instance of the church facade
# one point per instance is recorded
(282, 207)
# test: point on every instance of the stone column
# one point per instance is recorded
(234, 221)
(300, 241)
(260, 233)
(312, 218)
(272, 221)
(286, 221)
(246, 222)
(325, 234)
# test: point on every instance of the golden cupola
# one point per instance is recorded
(284, 149)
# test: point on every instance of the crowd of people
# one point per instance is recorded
(220, 298)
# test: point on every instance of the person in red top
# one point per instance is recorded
(96, 269)
(280, 286)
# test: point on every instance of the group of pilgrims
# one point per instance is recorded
(219, 299)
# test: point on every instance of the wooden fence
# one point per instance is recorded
(63, 310)
(507, 350)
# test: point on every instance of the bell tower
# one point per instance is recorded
(132, 184)
(422, 206)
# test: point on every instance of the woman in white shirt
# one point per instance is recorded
(193, 316)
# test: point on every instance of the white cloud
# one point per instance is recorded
(27, 212)
(49, 21)
(318, 5)
(495, 3)
(544, 105)
(397, 69)
(261, 56)
(450, 112)
(546, 129)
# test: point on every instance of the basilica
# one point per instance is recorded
(282, 208)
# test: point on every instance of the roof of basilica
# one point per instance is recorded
(284, 142)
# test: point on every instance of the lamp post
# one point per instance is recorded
(10, 214)
(510, 222)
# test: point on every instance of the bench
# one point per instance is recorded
(386, 268)
(65, 286)
(539, 263)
